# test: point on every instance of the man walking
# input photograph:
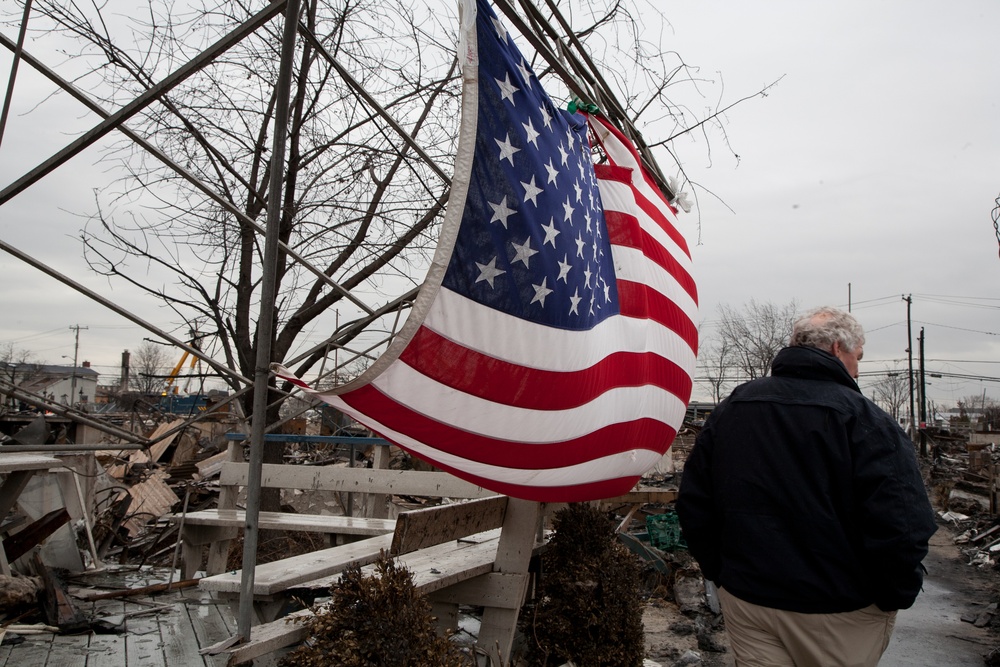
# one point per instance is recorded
(803, 502)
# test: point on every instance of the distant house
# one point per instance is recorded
(65, 385)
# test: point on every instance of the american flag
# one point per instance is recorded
(550, 353)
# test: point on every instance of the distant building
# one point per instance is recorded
(65, 385)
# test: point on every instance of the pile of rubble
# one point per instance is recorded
(963, 479)
(130, 492)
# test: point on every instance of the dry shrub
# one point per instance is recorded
(274, 545)
(588, 610)
(375, 621)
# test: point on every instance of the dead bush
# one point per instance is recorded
(588, 610)
(375, 621)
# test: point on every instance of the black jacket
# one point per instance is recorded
(801, 494)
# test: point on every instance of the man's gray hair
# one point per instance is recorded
(822, 327)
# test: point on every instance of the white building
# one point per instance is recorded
(66, 385)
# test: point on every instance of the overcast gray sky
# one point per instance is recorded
(869, 172)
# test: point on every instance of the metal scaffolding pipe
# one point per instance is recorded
(111, 305)
(55, 449)
(141, 102)
(265, 319)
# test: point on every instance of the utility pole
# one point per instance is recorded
(909, 351)
(923, 399)
(76, 353)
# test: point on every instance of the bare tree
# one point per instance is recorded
(892, 390)
(933, 411)
(714, 357)
(16, 366)
(149, 363)
(357, 203)
(975, 402)
(753, 335)
(987, 409)
(991, 415)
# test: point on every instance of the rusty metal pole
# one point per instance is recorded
(265, 321)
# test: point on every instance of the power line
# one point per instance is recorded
(871, 302)
(952, 296)
(963, 376)
(35, 336)
(964, 361)
(886, 326)
(947, 326)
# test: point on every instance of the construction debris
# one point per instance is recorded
(129, 492)
(18, 591)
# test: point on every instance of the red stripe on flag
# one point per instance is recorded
(511, 384)
(571, 493)
(639, 301)
(624, 230)
(605, 441)
(614, 172)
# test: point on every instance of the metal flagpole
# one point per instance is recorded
(265, 321)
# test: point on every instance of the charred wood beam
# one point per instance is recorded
(34, 533)
(57, 603)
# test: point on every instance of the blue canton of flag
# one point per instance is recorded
(533, 241)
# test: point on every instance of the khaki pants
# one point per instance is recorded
(764, 637)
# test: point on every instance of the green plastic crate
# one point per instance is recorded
(665, 531)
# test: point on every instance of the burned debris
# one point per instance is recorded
(136, 496)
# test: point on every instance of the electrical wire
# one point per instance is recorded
(996, 220)
(959, 301)
(948, 326)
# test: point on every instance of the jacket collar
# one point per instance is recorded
(809, 363)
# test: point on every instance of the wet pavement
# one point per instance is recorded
(931, 632)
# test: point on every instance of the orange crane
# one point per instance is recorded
(177, 369)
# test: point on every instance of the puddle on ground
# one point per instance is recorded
(125, 577)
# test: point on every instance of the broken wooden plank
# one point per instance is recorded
(315, 523)
(212, 466)
(417, 529)
(34, 534)
(272, 578)
(56, 602)
(133, 592)
(157, 450)
(269, 637)
(356, 480)
(985, 533)
(643, 495)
